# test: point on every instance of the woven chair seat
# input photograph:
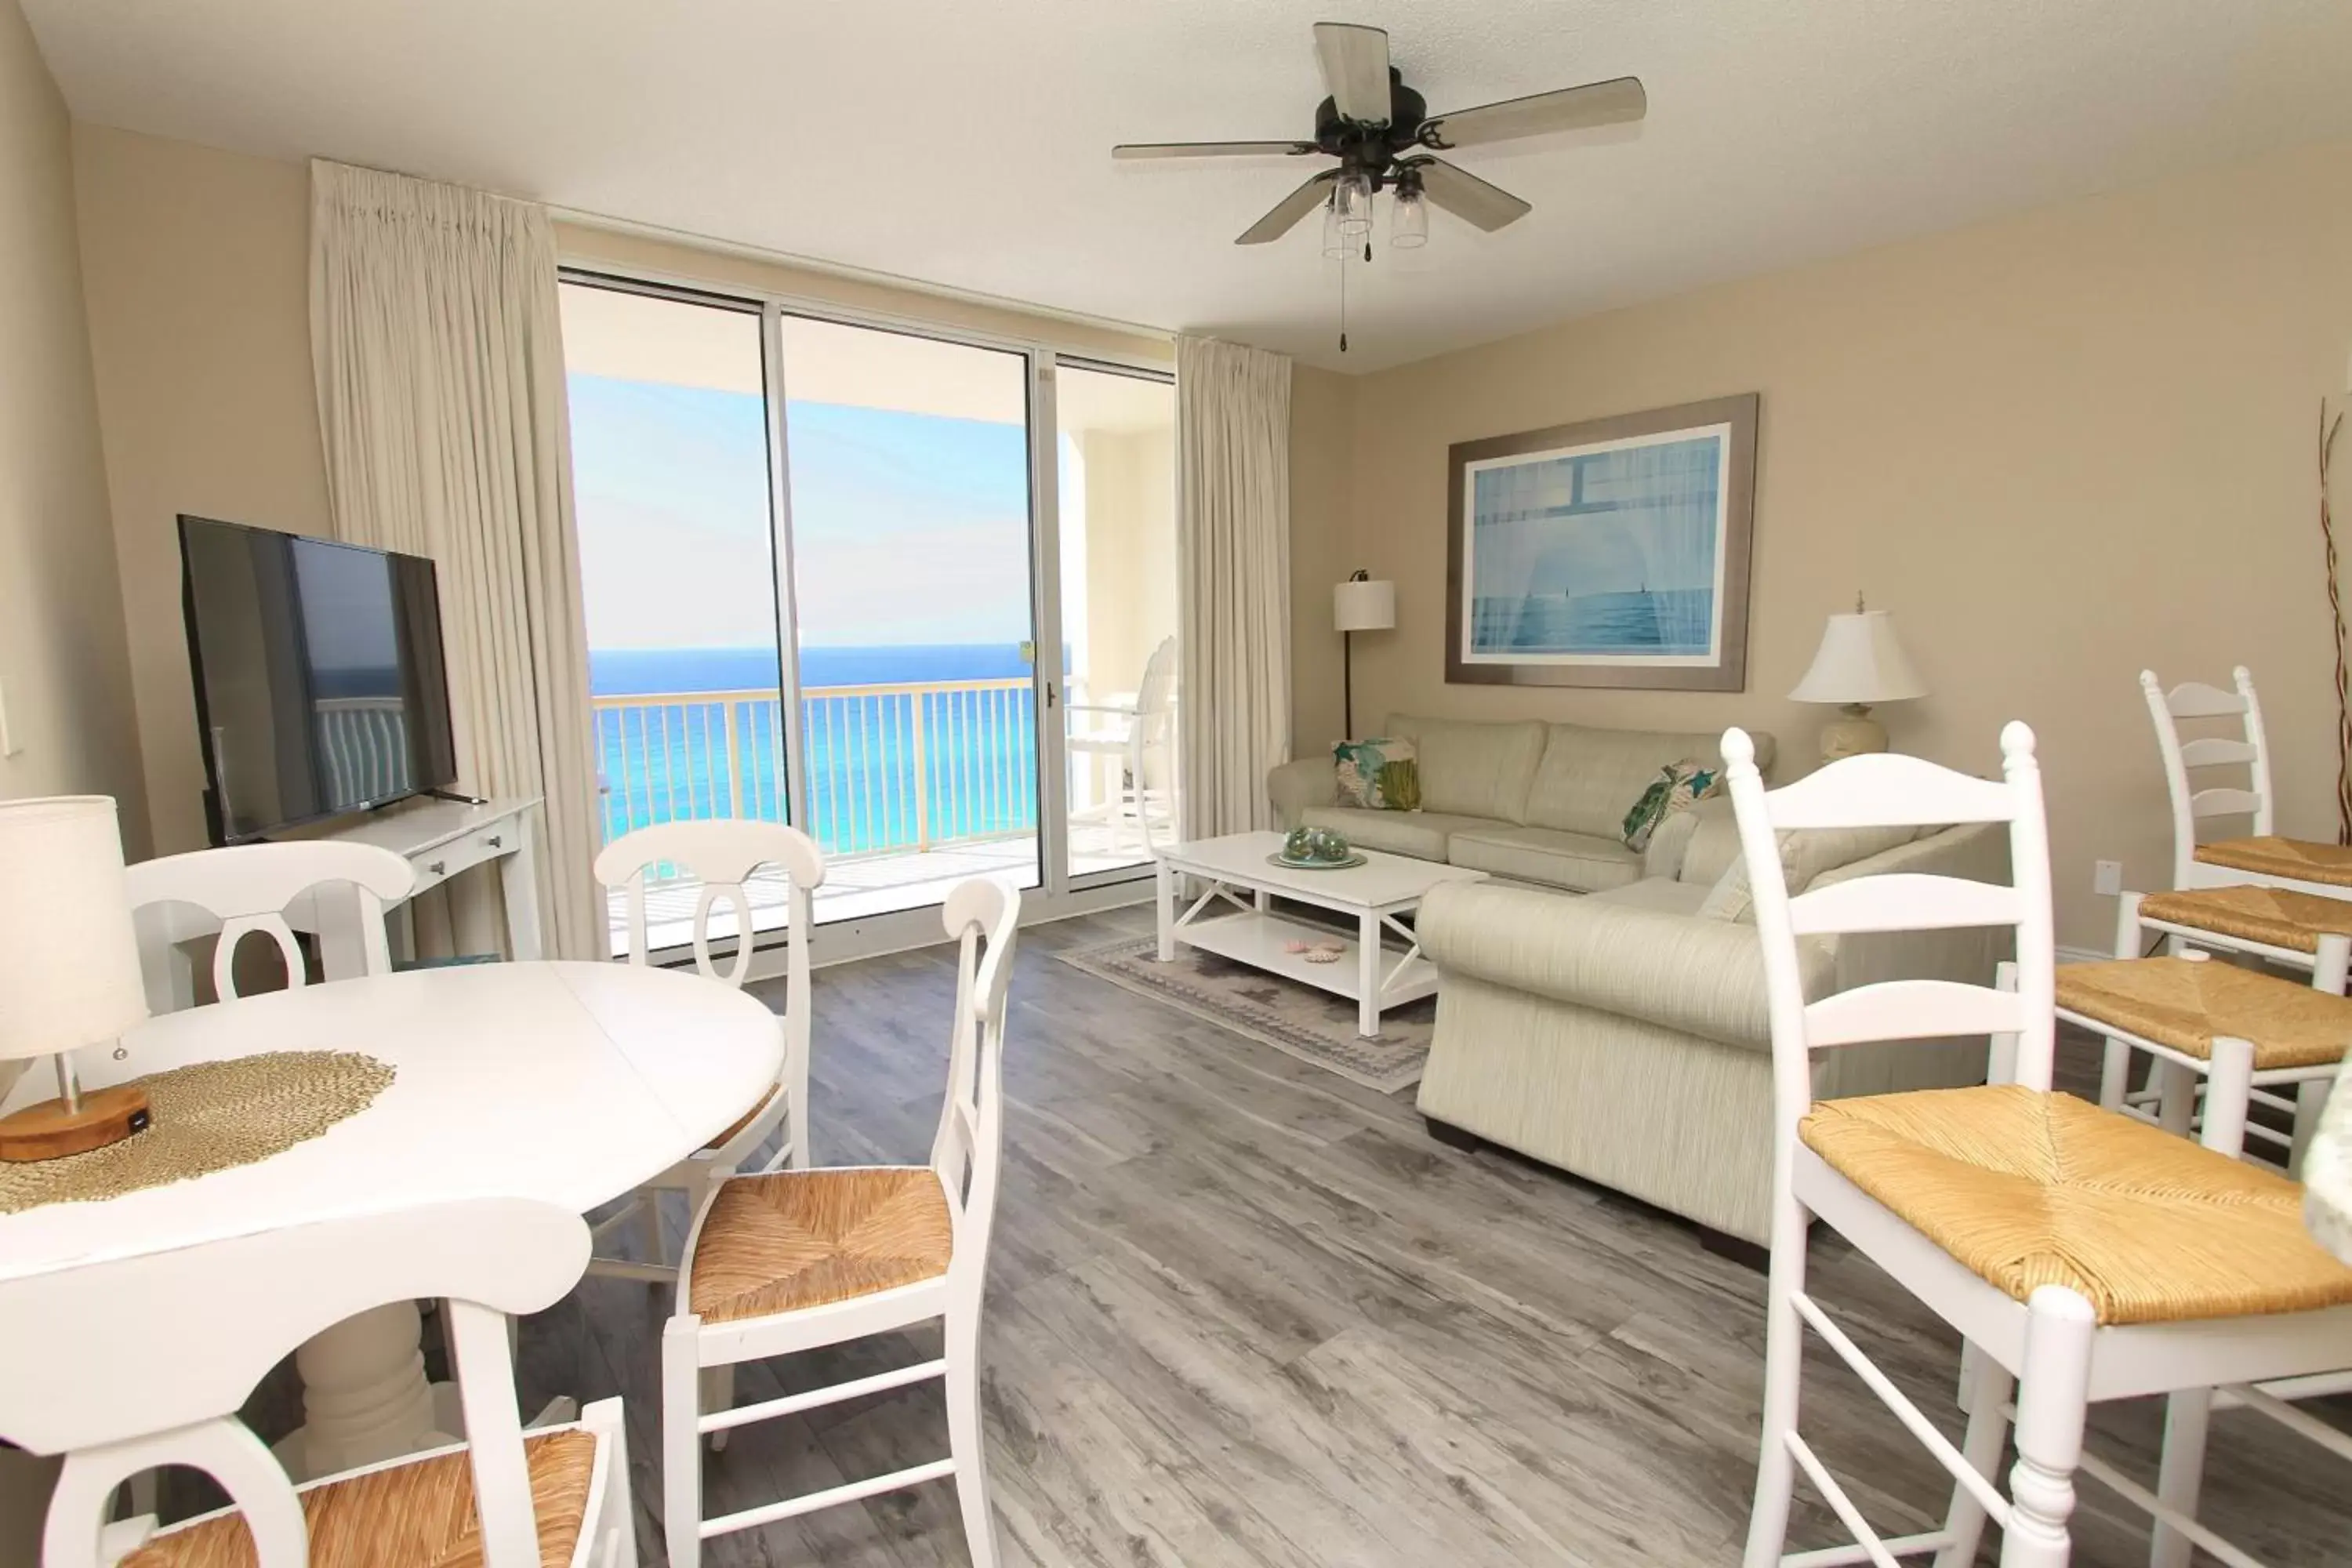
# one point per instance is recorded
(409, 1516)
(791, 1239)
(2184, 1003)
(2279, 917)
(2027, 1189)
(2298, 859)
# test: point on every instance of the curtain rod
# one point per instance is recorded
(606, 223)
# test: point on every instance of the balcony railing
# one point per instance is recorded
(892, 769)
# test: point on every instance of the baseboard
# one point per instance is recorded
(2084, 955)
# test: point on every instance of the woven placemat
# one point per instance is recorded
(208, 1116)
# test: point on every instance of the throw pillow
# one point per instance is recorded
(1381, 774)
(1675, 787)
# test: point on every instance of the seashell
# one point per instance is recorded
(1323, 955)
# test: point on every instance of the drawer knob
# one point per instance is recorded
(437, 866)
(497, 840)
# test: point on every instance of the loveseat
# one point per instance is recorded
(1621, 1035)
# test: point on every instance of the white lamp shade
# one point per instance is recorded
(69, 953)
(1363, 606)
(1860, 661)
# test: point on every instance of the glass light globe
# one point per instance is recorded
(1353, 202)
(1409, 223)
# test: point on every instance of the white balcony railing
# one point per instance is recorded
(892, 769)
(364, 743)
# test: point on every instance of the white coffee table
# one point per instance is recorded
(1373, 894)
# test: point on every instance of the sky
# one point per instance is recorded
(907, 528)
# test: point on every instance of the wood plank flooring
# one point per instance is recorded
(1243, 1312)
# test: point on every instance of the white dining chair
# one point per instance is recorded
(2081, 1256)
(1129, 736)
(144, 1362)
(794, 1260)
(2263, 856)
(248, 887)
(721, 855)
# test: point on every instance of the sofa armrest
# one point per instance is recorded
(1698, 976)
(1975, 850)
(1295, 786)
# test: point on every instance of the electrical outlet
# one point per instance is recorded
(2107, 877)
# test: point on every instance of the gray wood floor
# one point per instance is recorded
(1243, 1312)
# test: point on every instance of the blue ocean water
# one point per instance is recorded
(885, 771)
(1667, 621)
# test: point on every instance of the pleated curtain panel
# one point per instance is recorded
(439, 357)
(1233, 500)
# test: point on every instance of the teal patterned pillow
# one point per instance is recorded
(1675, 787)
(1377, 776)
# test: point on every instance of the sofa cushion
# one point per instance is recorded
(1419, 834)
(1663, 894)
(1474, 768)
(1581, 862)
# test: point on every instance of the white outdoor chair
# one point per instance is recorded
(144, 1362)
(248, 887)
(1128, 738)
(2262, 857)
(721, 855)
(2081, 1256)
(796, 1259)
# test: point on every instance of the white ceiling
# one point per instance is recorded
(968, 144)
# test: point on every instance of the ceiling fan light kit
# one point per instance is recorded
(1385, 139)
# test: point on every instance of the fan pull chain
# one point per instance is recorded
(1343, 301)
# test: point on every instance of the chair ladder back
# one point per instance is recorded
(2194, 700)
(248, 887)
(1868, 791)
(967, 1152)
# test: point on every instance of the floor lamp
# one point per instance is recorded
(1358, 604)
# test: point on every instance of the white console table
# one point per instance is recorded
(438, 838)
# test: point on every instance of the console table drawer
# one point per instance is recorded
(437, 865)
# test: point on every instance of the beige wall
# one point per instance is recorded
(1131, 518)
(63, 671)
(196, 264)
(2057, 446)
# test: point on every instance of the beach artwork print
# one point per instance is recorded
(1609, 554)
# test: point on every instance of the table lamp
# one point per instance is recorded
(1859, 663)
(69, 968)
(1358, 604)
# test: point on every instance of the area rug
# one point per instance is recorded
(1313, 1026)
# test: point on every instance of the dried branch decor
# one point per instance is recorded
(2328, 426)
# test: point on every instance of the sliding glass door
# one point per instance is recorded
(910, 524)
(914, 596)
(671, 481)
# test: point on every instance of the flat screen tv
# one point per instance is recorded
(320, 688)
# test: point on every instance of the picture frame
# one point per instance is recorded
(1610, 552)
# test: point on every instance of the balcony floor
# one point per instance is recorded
(879, 884)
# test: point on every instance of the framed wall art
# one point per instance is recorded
(1609, 552)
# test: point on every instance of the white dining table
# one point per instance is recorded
(570, 1083)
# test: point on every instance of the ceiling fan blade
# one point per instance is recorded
(1132, 150)
(1289, 210)
(1468, 196)
(1612, 102)
(1356, 68)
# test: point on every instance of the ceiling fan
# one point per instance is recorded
(1385, 139)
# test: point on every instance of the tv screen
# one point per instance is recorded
(319, 682)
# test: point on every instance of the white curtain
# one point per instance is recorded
(439, 356)
(1232, 489)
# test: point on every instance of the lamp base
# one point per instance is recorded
(51, 1130)
(1854, 734)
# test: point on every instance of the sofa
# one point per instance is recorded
(1539, 803)
(1622, 1033)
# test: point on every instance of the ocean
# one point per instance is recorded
(886, 772)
